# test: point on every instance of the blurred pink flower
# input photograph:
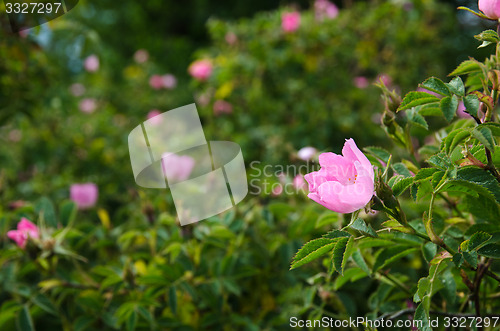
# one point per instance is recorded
(88, 105)
(231, 38)
(177, 168)
(204, 98)
(91, 63)
(222, 107)
(201, 69)
(84, 195)
(24, 230)
(153, 117)
(490, 8)
(156, 82)
(169, 81)
(386, 79)
(77, 89)
(345, 183)
(361, 82)
(141, 56)
(290, 21)
(306, 153)
(281, 177)
(325, 9)
(299, 183)
(277, 190)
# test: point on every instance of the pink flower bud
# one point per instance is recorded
(345, 183)
(490, 8)
(25, 230)
(290, 21)
(201, 69)
(325, 9)
(84, 195)
(91, 63)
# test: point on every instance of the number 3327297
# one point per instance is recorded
(33, 8)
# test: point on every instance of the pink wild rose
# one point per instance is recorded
(490, 8)
(345, 183)
(290, 21)
(24, 230)
(91, 63)
(201, 69)
(177, 168)
(299, 183)
(84, 195)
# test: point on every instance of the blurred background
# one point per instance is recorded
(272, 76)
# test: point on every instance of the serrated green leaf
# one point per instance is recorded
(378, 152)
(490, 250)
(413, 99)
(436, 85)
(471, 103)
(425, 173)
(424, 188)
(415, 118)
(360, 225)
(482, 178)
(336, 234)
(402, 185)
(471, 258)
(390, 255)
(429, 251)
(341, 253)
(449, 106)
(440, 160)
(457, 139)
(401, 169)
(488, 35)
(494, 127)
(461, 186)
(423, 285)
(476, 241)
(313, 250)
(449, 286)
(456, 86)
(429, 110)
(360, 261)
(485, 136)
(466, 67)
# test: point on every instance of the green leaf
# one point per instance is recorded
(327, 218)
(460, 136)
(466, 67)
(67, 213)
(485, 136)
(490, 250)
(471, 258)
(471, 103)
(24, 321)
(401, 169)
(413, 99)
(351, 274)
(436, 85)
(390, 255)
(45, 206)
(487, 37)
(360, 225)
(494, 127)
(360, 261)
(132, 321)
(429, 251)
(83, 323)
(378, 152)
(441, 161)
(336, 234)
(422, 287)
(429, 110)
(425, 173)
(475, 242)
(44, 302)
(463, 187)
(456, 85)
(449, 286)
(482, 178)
(313, 250)
(415, 118)
(402, 185)
(422, 314)
(172, 299)
(341, 253)
(449, 106)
